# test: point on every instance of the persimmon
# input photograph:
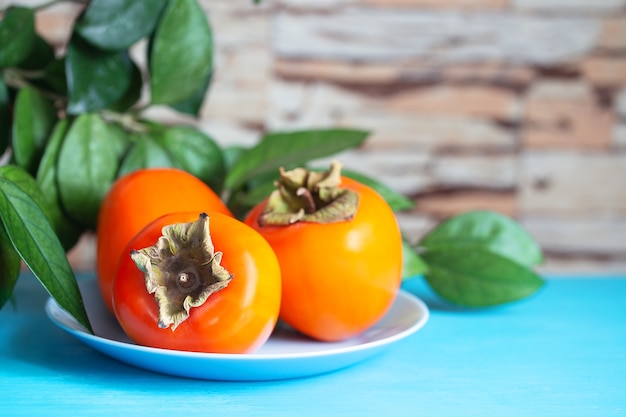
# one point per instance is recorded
(202, 282)
(136, 199)
(340, 252)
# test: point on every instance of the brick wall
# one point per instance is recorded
(518, 106)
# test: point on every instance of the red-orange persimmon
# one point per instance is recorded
(339, 277)
(236, 317)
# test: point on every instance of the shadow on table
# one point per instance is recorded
(419, 287)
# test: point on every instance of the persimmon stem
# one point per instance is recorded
(182, 270)
(310, 196)
(306, 197)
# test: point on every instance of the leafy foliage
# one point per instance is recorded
(17, 36)
(481, 258)
(74, 123)
(34, 118)
(182, 36)
(32, 237)
(117, 24)
(96, 78)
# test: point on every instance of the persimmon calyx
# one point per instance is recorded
(182, 270)
(309, 196)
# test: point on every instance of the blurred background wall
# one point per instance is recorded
(517, 106)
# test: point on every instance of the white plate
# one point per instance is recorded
(286, 354)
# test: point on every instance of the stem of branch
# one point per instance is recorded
(14, 79)
(50, 3)
(127, 121)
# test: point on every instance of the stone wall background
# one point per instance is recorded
(517, 106)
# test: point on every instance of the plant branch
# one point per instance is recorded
(50, 3)
(14, 78)
(32, 74)
(127, 121)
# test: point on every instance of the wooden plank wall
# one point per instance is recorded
(517, 106)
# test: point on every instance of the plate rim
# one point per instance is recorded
(52, 306)
(257, 366)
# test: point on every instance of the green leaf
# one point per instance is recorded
(193, 104)
(40, 193)
(257, 193)
(396, 201)
(195, 152)
(5, 116)
(40, 56)
(26, 183)
(10, 264)
(35, 241)
(181, 55)
(117, 24)
(87, 165)
(56, 78)
(17, 35)
(231, 154)
(53, 78)
(132, 94)
(67, 232)
(34, 118)
(242, 200)
(413, 264)
(95, 78)
(478, 277)
(290, 148)
(485, 230)
(145, 153)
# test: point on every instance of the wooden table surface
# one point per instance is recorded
(561, 352)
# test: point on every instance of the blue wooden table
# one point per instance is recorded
(561, 352)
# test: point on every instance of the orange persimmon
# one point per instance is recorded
(202, 282)
(340, 252)
(135, 200)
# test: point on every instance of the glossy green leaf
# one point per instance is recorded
(485, 230)
(53, 79)
(478, 277)
(396, 201)
(243, 200)
(145, 153)
(33, 120)
(40, 56)
(95, 78)
(231, 154)
(26, 183)
(67, 232)
(290, 148)
(117, 24)
(5, 116)
(87, 165)
(132, 94)
(181, 55)
(40, 192)
(34, 239)
(412, 264)
(257, 193)
(193, 104)
(196, 153)
(10, 264)
(17, 35)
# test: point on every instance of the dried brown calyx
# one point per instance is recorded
(309, 196)
(182, 269)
